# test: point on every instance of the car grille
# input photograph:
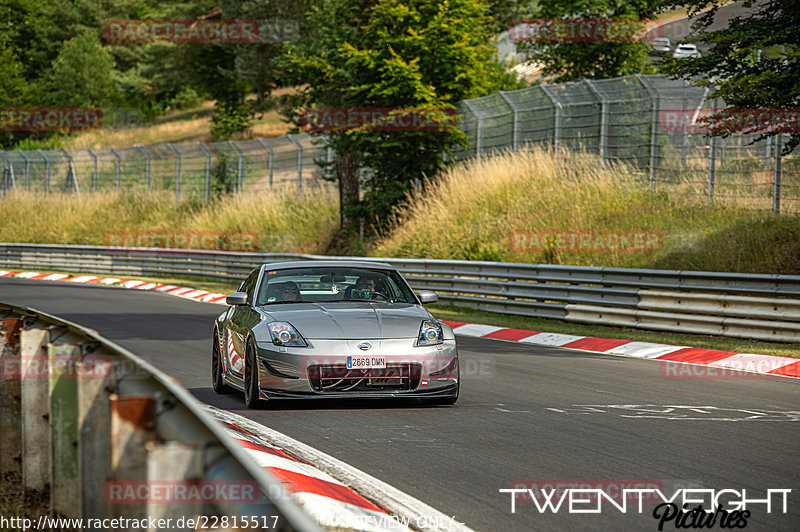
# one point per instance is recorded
(337, 378)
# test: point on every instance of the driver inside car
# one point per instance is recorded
(363, 289)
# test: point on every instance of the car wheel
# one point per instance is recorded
(217, 380)
(252, 396)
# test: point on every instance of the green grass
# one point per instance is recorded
(280, 220)
(477, 210)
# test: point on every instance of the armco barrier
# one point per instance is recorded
(763, 306)
(81, 417)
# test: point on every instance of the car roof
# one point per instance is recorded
(328, 264)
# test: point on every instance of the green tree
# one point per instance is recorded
(83, 74)
(744, 77)
(564, 59)
(413, 55)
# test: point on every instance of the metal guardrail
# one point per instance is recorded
(84, 420)
(652, 299)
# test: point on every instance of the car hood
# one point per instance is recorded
(351, 320)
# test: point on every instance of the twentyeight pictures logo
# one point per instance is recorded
(681, 507)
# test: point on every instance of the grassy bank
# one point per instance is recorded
(526, 207)
(282, 221)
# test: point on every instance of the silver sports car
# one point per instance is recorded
(332, 329)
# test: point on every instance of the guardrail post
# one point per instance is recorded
(146, 167)
(178, 462)
(208, 170)
(776, 176)
(10, 407)
(479, 133)
(132, 426)
(96, 380)
(94, 172)
(271, 158)
(238, 167)
(177, 172)
(35, 404)
(47, 170)
(70, 173)
(559, 109)
(299, 164)
(602, 143)
(515, 126)
(65, 489)
(119, 165)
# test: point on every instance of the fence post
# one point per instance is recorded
(271, 158)
(65, 489)
(479, 134)
(119, 164)
(602, 144)
(515, 130)
(133, 420)
(208, 170)
(8, 171)
(10, 408)
(776, 176)
(96, 378)
(712, 158)
(559, 108)
(238, 167)
(35, 406)
(47, 174)
(71, 172)
(94, 173)
(299, 164)
(177, 172)
(146, 168)
(767, 152)
(27, 169)
(653, 131)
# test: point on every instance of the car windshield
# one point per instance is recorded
(333, 284)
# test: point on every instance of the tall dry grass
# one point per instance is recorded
(282, 221)
(471, 211)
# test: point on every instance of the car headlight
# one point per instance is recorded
(284, 334)
(430, 333)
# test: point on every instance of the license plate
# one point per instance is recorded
(366, 362)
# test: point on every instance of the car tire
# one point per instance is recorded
(217, 380)
(252, 396)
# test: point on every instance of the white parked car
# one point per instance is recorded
(686, 50)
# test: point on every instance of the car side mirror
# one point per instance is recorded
(236, 298)
(428, 296)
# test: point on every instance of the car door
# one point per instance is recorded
(243, 318)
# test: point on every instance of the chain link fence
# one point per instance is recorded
(190, 169)
(650, 122)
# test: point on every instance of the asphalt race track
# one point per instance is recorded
(522, 417)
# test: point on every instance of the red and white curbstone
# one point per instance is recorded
(763, 364)
(331, 503)
(180, 291)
